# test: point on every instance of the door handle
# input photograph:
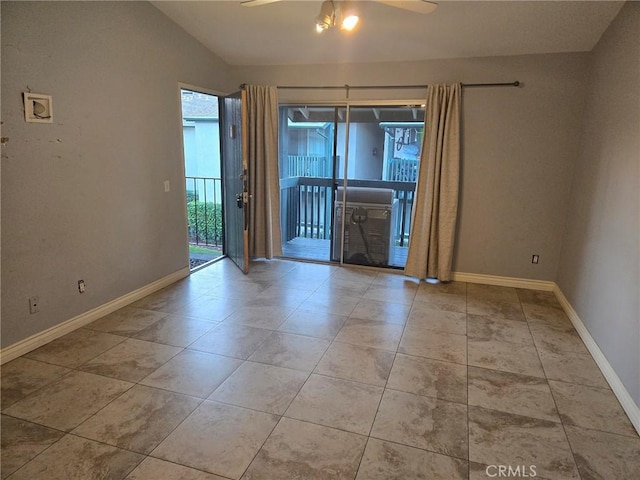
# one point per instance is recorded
(239, 200)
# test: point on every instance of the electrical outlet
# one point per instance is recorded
(34, 305)
(81, 286)
(535, 259)
(167, 186)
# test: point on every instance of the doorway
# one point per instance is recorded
(348, 176)
(203, 179)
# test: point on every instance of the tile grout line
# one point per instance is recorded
(553, 397)
(466, 309)
(332, 342)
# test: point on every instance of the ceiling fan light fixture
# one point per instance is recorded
(322, 24)
(350, 22)
(327, 16)
(349, 16)
(335, 13)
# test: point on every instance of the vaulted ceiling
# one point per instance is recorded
(283, 33)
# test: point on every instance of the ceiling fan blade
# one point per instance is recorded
(418, 6)
(256, 3)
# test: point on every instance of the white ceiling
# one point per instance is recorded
(283, 33)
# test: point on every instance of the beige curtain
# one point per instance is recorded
(264, 186)
(435, 206)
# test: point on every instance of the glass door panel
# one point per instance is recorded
(310, 154)
(384, 145)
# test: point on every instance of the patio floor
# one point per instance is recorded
(198, 259)
(319, 250)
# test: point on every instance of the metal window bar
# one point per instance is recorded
(406, 205)
(215, 216)
(195, 191)
(301, 211)
(303, 208)
(310, 210)
(204, 228)
(318, 206)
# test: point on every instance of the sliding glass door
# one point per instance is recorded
(347, 180)
(310, 153)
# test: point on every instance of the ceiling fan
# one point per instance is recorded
(336, 12)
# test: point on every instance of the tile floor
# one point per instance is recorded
(308, 371)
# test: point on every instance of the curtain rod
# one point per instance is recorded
(375, 87)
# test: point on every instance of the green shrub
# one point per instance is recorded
(204, 222)
(192, 196)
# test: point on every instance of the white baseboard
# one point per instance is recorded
(629, 406)
(504, 281)
(31, 343)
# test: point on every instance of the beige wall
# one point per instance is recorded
(83, 197)
(519, 146)
(600, 263)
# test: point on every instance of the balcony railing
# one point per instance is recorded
(402, 170)
(306, 206)
(307, 166)
(204, 211)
